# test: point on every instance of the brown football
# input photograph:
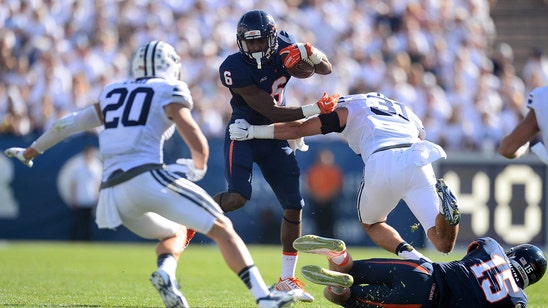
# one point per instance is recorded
(303, 69)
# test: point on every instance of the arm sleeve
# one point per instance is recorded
(330, 123)
(85, 119)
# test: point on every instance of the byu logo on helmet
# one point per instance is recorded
(156, 59)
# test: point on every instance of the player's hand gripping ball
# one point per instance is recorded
(296, 62)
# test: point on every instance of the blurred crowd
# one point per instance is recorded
(438, 56)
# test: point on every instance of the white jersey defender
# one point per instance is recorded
(136, 127)
(375, 121)
(387, 135)
(136, 124)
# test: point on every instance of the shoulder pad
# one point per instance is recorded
(286, 37)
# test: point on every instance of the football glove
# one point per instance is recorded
(18, 153)
(192, 174)
(241, 130)
(299, 51)
(324, 105)
(298, 144)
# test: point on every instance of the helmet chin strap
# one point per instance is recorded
(258, 56)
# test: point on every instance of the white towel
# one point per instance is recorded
(107, 214)
(427, 152)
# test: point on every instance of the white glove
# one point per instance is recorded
(18, 153)
(192, 174)
(298, 144)
(241, 130)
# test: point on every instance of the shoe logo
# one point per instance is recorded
(265, 78)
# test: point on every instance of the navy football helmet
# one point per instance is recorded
(528, 264)
(257, 24)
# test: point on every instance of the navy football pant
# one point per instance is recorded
(384, 282)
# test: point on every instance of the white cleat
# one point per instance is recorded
(293, 283)
(277, 299)
(326, 277)
(168, 289)
(319, 245)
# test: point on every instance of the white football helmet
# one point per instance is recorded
(156, 59)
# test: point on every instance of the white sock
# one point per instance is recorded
(340, 259)
(289, 262)
(413, 255)
(254, 281)
(168, 264)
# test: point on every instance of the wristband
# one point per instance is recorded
(302, 50)
(310, 110)
(316, 56)
(263, 131)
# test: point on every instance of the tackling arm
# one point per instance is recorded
(512, 145)
(85, 119)
(265, 104)
(323, 124)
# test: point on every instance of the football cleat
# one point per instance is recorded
(168, 289)
(277, 299)
(293, 283)
(326, 277)
(449, 206)
(319, 245)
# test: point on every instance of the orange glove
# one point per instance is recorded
(299, 51)
(328, 103)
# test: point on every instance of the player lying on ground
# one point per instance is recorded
(137, 189)
(390, 139)
(486, 276)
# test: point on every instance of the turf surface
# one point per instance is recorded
(65, 274)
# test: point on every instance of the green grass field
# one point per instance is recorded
(116, 275)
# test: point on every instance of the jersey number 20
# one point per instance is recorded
(130, 107)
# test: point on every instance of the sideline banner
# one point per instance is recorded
(499, 198)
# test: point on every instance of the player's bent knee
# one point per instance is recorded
(230, 201)
(339, 299)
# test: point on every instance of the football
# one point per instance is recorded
(303, 69)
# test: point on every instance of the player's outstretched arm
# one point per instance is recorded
(85, 119)
(266, 105)
(512, 145)
(241, 130)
